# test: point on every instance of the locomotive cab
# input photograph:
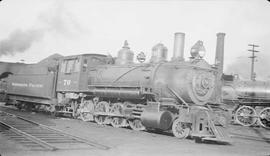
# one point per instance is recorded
(73, 70)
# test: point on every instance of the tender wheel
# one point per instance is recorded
(102, 107)
(51, 109)
(264, 118)
(180, 129)
(245, 116)
(19, 105)
(136, 125)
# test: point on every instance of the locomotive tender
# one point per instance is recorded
(250, 100)
(166, 95)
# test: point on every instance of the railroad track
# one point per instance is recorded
(252, 138)
(35, 136)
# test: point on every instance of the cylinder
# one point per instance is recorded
(179, 44)
(219, 61)
(158, 120)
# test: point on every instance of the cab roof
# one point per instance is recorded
(81, 55)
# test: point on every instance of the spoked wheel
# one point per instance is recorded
(102, 120)
(180, 129)
(118, 122)
(246, 116)
(19, 105)
(102, 107)
(51, 109)
(86, 116)
(86, 111)
(264, 118)
(117, 110)
(136, 125)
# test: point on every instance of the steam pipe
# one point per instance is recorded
(179, 44)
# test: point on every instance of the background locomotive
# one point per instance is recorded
(250, 100)
(165, 95)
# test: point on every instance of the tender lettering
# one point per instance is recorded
(19, 84)
(32, 85)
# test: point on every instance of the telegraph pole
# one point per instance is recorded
(253, 74)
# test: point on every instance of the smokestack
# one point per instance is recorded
(219, 64)
(219, 61)
(179, 44)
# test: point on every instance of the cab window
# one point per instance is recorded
(97, 60)
(70, 66)
(84, 65)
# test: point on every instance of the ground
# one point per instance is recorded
(126, 142)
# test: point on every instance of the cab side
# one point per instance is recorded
(73, 71)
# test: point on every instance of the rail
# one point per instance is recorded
(37, 136)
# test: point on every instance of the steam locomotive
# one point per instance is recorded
(250, 100)
(174, 95)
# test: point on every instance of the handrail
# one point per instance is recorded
(178, 96)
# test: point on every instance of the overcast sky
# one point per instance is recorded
(34, 29)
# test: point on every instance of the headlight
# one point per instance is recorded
(201, 53)
(197, 50)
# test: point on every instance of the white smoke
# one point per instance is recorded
(19, 41)
(56, 20)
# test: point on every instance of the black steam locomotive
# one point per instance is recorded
(174, 95)
(250, 100)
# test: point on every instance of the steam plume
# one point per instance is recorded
(56, 20)
(19, 41)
